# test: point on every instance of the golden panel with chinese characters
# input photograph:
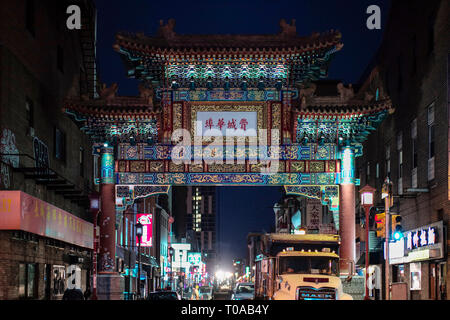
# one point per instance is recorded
(259, 108)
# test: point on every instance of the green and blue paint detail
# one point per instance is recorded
(107, 166)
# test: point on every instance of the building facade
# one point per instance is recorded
(195, 220)
(411, 146)
(46, 162)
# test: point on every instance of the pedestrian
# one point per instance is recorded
(195, 294)
(87, 293)
(73, 294)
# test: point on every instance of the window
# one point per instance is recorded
(388, 161)
(414, 153)
(60, 58)
(400, 155)
(27, 280)
(81, 162)
(368, 172)
(431, 141)
(60, 145)
(414, 143)
(377, 171)
(30, 16)
(400, 162)
(431, 131)
(29, 109)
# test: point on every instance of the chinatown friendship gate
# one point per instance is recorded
(247, 103)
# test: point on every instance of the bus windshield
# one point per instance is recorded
(309, 265)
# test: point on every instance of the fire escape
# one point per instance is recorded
(88, 38)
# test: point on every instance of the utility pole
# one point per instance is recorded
(387, 196)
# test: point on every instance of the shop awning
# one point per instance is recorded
(21, 211)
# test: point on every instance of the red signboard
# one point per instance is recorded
(147, 231)
(20, 211)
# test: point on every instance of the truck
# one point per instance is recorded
(298, 267)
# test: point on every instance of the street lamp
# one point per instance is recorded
(367, 202)
(139, 231)
(171, 254)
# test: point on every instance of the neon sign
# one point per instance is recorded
(421, 238)
(194, 258)
(147, 231)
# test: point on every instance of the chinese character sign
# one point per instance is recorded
(313, 213)
(147, 231)
(235, 124)
(421, 238)
(194, 258)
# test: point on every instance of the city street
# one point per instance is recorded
(224, 150)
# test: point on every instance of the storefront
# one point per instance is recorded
(52, 248)
(419, 261)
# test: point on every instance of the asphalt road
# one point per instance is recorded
(222, 295)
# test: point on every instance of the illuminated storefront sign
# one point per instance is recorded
(235, 124)
(424, 243)
(147, 231)
(194, 258)
(421, 237)
(20, 211)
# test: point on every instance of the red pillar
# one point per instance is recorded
(110, 284)
(107, 229)
(347, 210)
(347, 225)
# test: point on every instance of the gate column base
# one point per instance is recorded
(110, 286)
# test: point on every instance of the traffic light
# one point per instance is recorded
(397, 230)
(372, 213)
(381, 224)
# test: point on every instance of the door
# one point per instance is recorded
(433, 281)
(48, 281)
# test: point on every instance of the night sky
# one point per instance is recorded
(242, 209)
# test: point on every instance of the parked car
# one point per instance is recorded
(163, 295)
(206, 293)
(243, 291)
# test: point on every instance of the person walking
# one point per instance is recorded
(195, 293)
(87, 293)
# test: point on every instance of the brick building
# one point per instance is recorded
(411, 145)
(154, 254)
(41, 63)
(195, 219)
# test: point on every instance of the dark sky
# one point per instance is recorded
(248, 208)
